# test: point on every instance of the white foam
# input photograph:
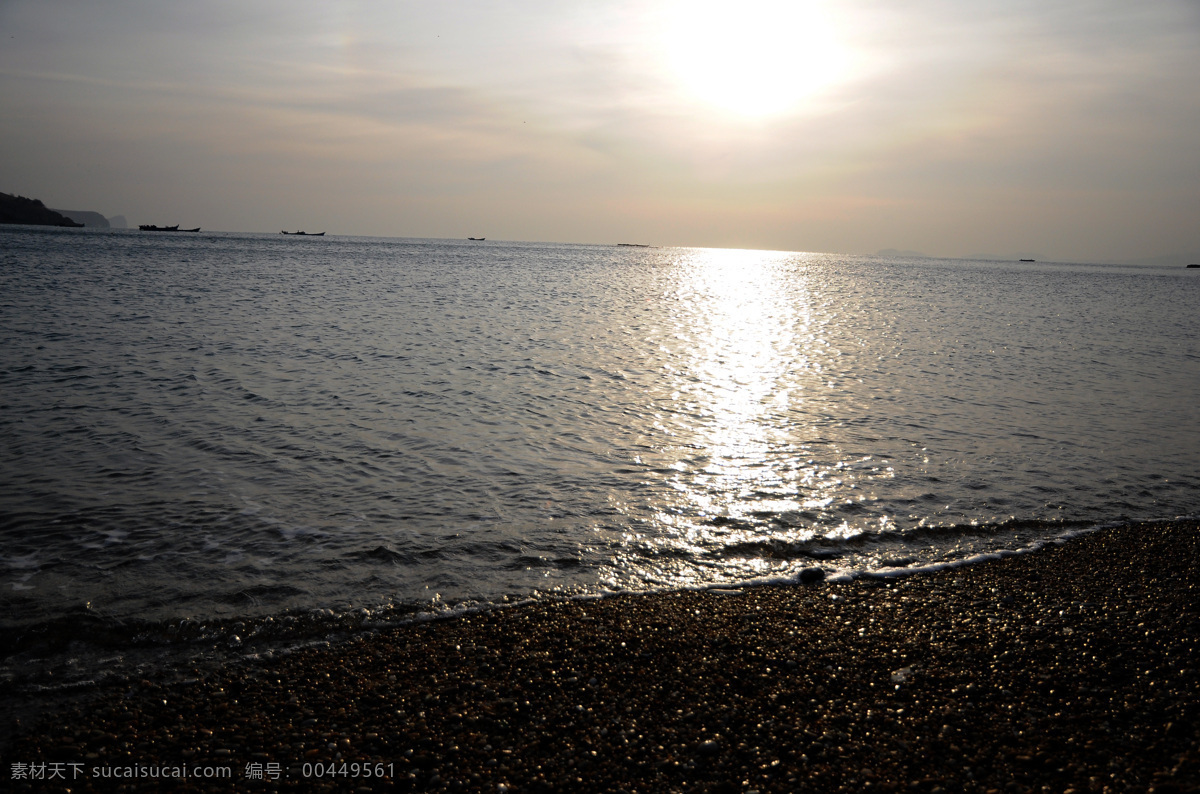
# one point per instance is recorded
(25, 561)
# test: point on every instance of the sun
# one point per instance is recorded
(754, 58)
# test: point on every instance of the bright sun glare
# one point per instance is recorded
(755, 58)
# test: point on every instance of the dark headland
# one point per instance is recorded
(1073, 668)
(18, 209)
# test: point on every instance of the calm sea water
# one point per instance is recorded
(220, 441)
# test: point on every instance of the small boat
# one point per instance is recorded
(477, 239)
(1193, 265)
(306, 234)
(152, 228)
(1028, 260)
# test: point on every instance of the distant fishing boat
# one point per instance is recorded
(152, 228)
(477, 239)
(306, 234)
(1028, 260)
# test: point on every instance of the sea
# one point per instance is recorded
(220, 445)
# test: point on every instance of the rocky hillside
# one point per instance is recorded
(18, 209)
(92, 220)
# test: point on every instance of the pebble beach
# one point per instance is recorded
(1072, 668)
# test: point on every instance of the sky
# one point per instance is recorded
(1066, 130)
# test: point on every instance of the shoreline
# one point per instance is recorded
(1073, 666)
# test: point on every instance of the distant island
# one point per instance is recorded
(18, 209)
(92, 220)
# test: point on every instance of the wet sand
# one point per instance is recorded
(1071, 668)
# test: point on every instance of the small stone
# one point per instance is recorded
(811, 576)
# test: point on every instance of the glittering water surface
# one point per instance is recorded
(221, 426)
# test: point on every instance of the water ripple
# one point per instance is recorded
(233, 428)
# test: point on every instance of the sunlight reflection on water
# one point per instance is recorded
(751, 338)
(746, 349)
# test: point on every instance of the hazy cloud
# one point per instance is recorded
(955, 127)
